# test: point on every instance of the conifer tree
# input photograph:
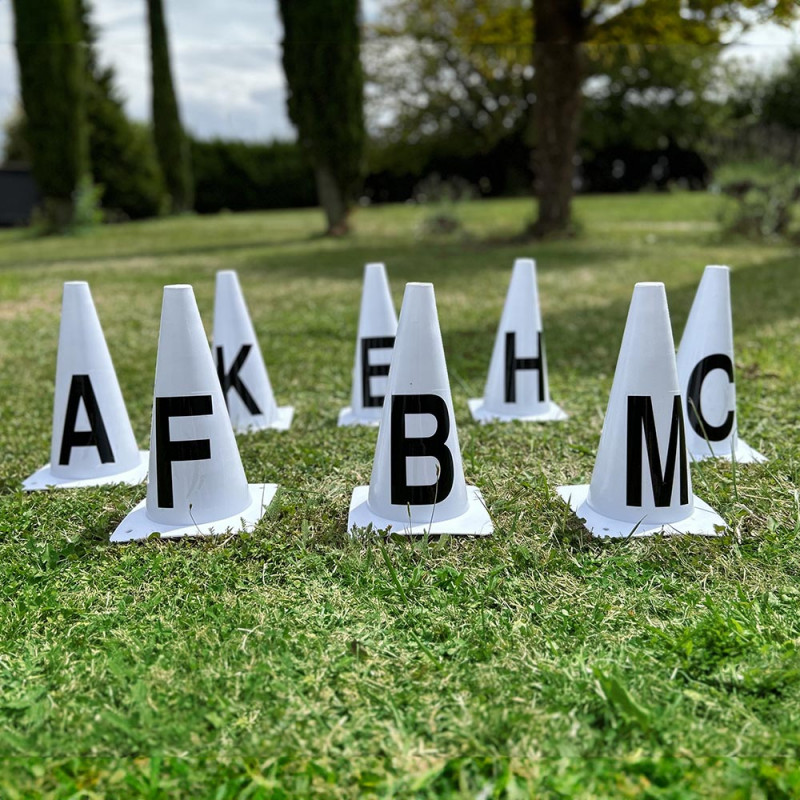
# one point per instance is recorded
(322, 63)
(172, 145)
(51, 70)
(122, 153)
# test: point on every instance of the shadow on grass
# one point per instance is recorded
(587, 341)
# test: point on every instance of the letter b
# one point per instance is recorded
(433, 446)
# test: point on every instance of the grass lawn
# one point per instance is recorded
(295, 660)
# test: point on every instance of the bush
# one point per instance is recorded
(761, 198)
(124, 163)
(240, 176)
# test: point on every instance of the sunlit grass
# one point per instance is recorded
(295, 660)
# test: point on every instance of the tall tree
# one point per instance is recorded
(172, 145)
(50, 56)
(121, 152)
(559, 32)
(563, 29)
(474, 43)
(321, 60)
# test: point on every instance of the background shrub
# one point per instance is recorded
(240, 176)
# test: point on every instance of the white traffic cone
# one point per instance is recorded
(93, 442)
(517, 386)
(417, 483)
(240, 364)
(377, 327)
(197, 484)
(641, 482)
(705, 372)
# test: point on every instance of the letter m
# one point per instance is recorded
(642, 431)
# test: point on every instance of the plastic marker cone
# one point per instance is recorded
(641, 482)
(240, 365)
(92, 442)
(377, 326)
(197, 485)
(705, 372)
(417, 483)
(517, 385)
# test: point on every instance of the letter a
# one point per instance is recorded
(92, 442)
(96, 436)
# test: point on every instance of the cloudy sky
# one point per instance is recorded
(226, 58)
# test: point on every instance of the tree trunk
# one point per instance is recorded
(322, 63)
(559, 29)
(332, 200)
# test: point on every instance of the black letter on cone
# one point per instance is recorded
(513, 364)
(433, 446)
(694, 411)
(640, 415)
(168, 451)
(231, 380)
(81, 389)
(373, 371)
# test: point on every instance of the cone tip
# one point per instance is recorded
(717, 268)
(179, 288)
(75, 283)
(418, 292)
(525, 262)
(224, 273)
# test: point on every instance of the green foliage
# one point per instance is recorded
(172, 145)
(460, 76)
(240, 176)
(761, 198)
(15, 147)
(51, 69)
(779, 105)
(648, 95)
(322, 62)
(88, 202)
(122, 154)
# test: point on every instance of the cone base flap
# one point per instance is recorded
(703, 522)
(475, 521)
(480, 413)
(744, 454)
(137, 525)
(282, 422)
(43, 478)
(349, 417)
